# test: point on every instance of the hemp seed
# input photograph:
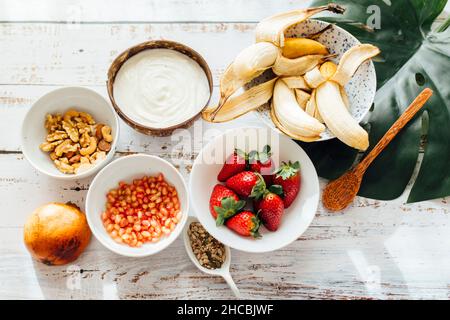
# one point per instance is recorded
(209, 252)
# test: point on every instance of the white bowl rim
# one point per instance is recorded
(142, 253)
(316, 205)
(88, 172)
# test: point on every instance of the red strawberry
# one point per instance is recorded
(288, 177)
(223, 203)
(245, 223)
(246, 184)
(235, 163)
(262, 163)
(270, 209)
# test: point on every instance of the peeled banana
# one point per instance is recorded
(351, 60)
(286, 131)
(344, 97)
(291, 115)
(296, 82)
(302, 98)
(311, 104)
(295, 67)
(314, 77)
(298, 47)
(239, 105)
(254, 59)
(328, 69)
(337, 118)
(272, 28)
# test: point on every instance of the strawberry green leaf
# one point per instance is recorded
(413, 57)
(255, 230)
(287, 170)
(259, 188)
(263, 156)
(228, 208)
(277, 189)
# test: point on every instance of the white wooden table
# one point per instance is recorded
(375, 250)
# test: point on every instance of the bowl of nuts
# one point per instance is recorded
(70, 133)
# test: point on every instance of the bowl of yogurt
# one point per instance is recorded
(159, 86)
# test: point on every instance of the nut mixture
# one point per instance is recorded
(75, 142)
(209, 252)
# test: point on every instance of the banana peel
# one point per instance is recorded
(351, 60)
(241, 104)
(296, 67)
(296, 82)
(272, 28)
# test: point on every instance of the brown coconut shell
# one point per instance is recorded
(154, 44)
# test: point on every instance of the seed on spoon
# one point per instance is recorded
(209, 252)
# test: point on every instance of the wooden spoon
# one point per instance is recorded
(338, 194)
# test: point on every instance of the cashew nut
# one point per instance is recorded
(71, 131)
(91, 148)
(106, 133)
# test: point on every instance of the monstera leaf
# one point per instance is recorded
(413, 57)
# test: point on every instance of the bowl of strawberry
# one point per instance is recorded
(254, 199)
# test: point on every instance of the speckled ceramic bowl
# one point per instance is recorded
(361, 88)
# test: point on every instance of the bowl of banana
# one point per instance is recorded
(308, 79)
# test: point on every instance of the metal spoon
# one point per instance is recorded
(223, 271)
(338, 194)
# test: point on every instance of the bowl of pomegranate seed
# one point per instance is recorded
(137, 205)
(254, 189)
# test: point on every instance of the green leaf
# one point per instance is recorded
(259, 189)
(228, 208)
(287, 170)
(412, 58)
(277, 189)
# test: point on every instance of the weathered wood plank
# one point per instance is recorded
(144, 10)
(85, 59)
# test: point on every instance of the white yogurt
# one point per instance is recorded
(160, 88)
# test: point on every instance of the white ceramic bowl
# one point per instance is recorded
(361, 88)
(126, 169)
(61, 100)
(296, 218)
